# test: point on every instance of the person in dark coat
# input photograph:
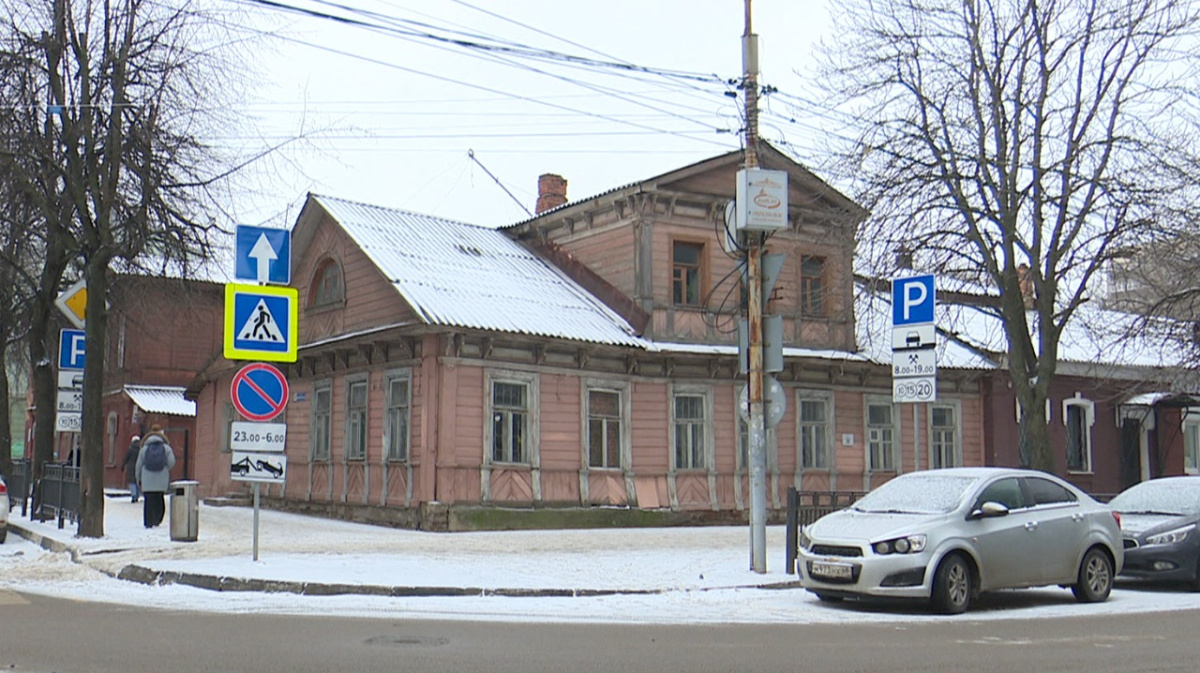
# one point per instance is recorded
(154, 483)
(130, 467)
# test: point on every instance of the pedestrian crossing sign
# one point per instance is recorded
(261, 322)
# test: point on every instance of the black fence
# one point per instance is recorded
(54, 496)
(18, 485)
(805, 507)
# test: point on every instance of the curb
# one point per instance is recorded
(149, 577)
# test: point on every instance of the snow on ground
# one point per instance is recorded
(700, 575)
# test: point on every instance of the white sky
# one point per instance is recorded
(699, 571)
(393, 119)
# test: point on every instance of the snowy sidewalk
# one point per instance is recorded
(316, 556)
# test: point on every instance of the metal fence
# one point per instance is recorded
(18, 485)
(805, 507)
(54, 496)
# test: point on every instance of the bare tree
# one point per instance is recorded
(1018, 143)
(129, 90)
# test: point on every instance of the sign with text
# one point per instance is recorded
(917, 362)
(914, 389)
(264, 437)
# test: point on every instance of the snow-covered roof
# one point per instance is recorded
(161, 400)
(462, 275)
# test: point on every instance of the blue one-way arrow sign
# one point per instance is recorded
(264, 255)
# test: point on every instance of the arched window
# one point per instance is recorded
(326, 287)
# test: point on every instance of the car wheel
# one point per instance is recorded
(952, 586)
(1196, 581)
(1095, 577)
(826, 598)
(3, 534)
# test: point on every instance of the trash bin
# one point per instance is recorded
(185, 511)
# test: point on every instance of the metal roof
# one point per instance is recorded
(161, 400)
(462, 275)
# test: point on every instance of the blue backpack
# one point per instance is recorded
(156, 456)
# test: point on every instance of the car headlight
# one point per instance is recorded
(1171, 536)
(909, 544)
(805, 540)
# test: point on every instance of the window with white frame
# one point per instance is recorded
(1191, 442)
(356, 419)
(397, 414)
(604, 431)
(688, 416)
(881, 436)
(322, 406)
(510, 412)
(944, 450)
(814, 417)
(1078, 415)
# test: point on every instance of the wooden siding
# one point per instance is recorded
(370, 300)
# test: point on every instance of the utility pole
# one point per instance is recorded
(754, 318)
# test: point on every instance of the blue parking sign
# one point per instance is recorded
(912, 300)
(70, 349)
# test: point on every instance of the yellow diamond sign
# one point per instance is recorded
(73, 302)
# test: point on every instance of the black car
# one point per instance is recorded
(1159, 520)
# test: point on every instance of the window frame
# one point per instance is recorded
(812, 287)
(316, 452)
(1191, 421)
(355, 448)
(892, 459)
(1087, 416)
(827, 451)
(318, 285)
(622, 390)
(532, 416)
(703, 455)
(390, 410)
(956, 408)
(700, 269)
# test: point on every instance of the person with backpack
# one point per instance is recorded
(154, 465)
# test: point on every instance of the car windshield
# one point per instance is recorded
(1166, 496)
(917, 494)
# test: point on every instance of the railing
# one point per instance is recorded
(56, 494)
(18, 485)
(805, 507)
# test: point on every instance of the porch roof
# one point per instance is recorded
(161, 400)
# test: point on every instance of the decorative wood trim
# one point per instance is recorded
(485, 349)
(539, 354)
(367, 353)
(583, 356)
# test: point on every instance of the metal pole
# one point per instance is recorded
(757, 429)
(256, 485)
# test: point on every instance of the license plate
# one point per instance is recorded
(837, 571)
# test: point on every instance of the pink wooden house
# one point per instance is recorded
(577, 367)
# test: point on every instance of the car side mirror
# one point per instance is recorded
(989, 510)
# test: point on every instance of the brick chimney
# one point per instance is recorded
(552, 192)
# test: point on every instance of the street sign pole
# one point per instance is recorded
(256, 505)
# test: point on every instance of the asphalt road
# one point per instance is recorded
(51, 635)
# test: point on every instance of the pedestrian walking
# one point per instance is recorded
(130, 467)
(154, 464)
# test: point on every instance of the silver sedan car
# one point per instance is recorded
(946, 535)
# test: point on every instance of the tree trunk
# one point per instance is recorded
(91, 472)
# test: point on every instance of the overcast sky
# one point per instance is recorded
(393, 114)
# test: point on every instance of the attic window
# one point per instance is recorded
(326, 288)
(469, 250)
